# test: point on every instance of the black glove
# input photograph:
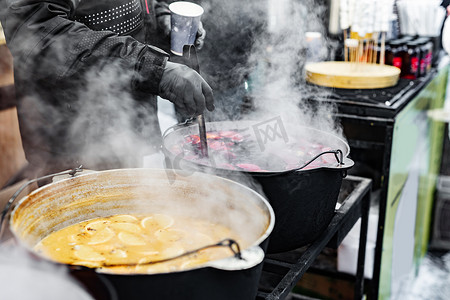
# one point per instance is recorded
(185, 88)
(164, 27)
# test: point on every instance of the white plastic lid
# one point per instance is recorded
(187, 9)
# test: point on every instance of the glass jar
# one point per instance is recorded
(411, 59)
(423, 56)
(394, 57)
(429, 56)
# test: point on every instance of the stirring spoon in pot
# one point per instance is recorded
(202, 133)
(190, 55)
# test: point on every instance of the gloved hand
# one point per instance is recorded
(164, 27)
(185, 88)
(200, 38)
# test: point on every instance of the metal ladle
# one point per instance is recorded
(191, 60)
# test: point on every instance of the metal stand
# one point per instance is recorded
(282, 271)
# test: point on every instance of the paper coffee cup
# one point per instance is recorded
(185, 19)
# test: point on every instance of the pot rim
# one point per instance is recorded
(210, 264)
(347, 162)
(216, 170)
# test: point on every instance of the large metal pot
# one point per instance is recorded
(141, 191)
(303, 200)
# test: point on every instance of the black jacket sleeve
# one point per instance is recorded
(48, 45)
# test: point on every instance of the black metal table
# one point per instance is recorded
(282, 271)
(369, 121)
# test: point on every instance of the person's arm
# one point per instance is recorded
(49, 45)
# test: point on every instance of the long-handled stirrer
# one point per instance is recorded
(190, 56)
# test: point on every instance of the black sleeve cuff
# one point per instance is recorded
(149, 70)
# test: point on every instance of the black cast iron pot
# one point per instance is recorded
(140, 191)
(303, 199)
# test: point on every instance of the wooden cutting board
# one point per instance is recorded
(347, 75)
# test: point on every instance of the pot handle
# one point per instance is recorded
(186, 123)
(337, 154)
(10, 202)
(249, 258)
(241, 260)
(230, 243)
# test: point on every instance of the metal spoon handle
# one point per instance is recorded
(202, 132)
(190, 54)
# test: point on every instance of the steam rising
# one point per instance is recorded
(254, 48)
(266, 61)
(259, 50)
(24, 277)
(281, 57)
(115, 129)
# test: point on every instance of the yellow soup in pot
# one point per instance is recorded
(133, 243)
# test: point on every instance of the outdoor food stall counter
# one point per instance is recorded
(395, 143)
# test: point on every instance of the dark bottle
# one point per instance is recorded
(388, 54)
(422, 64)
(425, 49)
(429, 56)
(394, 57)
(411, 59)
